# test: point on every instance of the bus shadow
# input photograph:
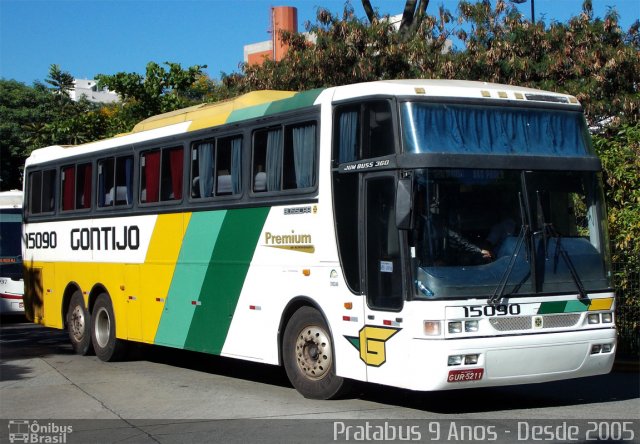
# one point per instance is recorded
(617, 386)
(612, 387)
(232, 368)
(26, 341)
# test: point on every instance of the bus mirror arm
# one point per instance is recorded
(404, 203)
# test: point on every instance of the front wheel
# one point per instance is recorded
(103, 331)
(308, 356)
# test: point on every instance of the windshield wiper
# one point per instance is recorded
(525, 234)
(548, 232)
(552, 232)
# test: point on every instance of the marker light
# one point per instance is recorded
(455, 327)
(432, 328)
(471, 326)
(607, 318)
(593, 318)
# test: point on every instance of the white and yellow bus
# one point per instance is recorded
(420, 234)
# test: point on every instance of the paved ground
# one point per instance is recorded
(166, 395)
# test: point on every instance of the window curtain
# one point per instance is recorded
(152, 173)
(274, 160)
(68, 188)
(205, 169)
(102, 193)
(348, 143)
(491, 130)
(304, 155)
(84, 200)
(236, 166)
(176, 161)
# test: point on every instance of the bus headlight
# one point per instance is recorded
(471, 326)
(593, 318)
(455, 360)
(455, 327)
(607, 318)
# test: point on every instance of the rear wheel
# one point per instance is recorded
(79, 324)
(308, 356)
(103, 331)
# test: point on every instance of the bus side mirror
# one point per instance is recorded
(404, 204)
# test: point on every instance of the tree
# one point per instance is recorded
(160, 90)
(61, 81)
(412, 15)
(38, 116)
(348, 50)
(590, 58)
(20, 105)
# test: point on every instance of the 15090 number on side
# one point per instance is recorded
(476, 311)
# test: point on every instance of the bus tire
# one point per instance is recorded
(79, 325)
(308, 356)
(103, 331)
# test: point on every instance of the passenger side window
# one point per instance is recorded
(115, 181)
(215, 167)
(76, 187)
(42, 185)
(161, 175)
(284, 158)
(363, 131)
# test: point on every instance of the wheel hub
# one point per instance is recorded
(77, 323)
(313, 352)
(103, 327)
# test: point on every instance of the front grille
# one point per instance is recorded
(526, 322)
(511, 324)
(561, 320)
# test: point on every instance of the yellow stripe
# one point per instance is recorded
(157, 271)
(601, 304)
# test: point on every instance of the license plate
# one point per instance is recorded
(471, 374)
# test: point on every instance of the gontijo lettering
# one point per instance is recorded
(105, 238)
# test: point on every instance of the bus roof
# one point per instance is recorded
(246, 106)
(264, 103)
(11, 199)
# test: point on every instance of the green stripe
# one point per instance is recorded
(224, 279)
(577, 306)
(248, 113)
(563, 307)
(300, 100)
(552, 307)
(193, 262)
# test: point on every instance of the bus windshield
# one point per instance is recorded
(480, 232)
(474, 129)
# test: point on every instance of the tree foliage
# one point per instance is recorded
(588, 57)
(619, 150)
(160, 90)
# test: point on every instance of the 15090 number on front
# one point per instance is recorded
(476, 311)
